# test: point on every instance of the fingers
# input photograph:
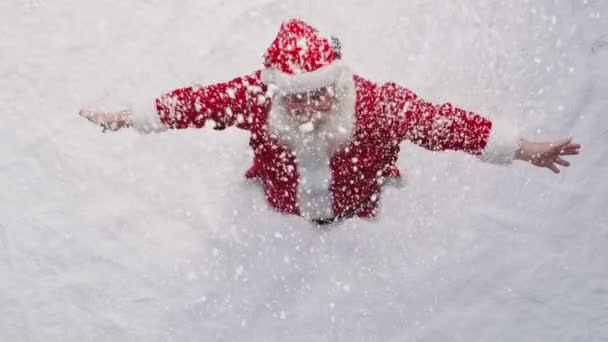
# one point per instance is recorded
(86, 113)
(553, 168)
(561, 162)
(93, 116)
(566, 147)
(572, 146)
(561, 143)
(103, 119)
(569, 152)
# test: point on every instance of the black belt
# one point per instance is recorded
(326, 221)
(345, 215)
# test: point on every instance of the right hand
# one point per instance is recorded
(112, 121)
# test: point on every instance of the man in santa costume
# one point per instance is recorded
(324, 139)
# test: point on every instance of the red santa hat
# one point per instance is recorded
(300, 59)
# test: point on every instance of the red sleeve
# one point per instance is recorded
(239, 102)
(435, 127)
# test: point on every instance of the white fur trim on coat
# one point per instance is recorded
(313, 149)
(305, 81)
(502, 143)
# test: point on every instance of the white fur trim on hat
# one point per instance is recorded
(502, 143)
(305, 81)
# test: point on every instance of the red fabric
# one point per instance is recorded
(385, 115)
(239, 102)
(298, 48)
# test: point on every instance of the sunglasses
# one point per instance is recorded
(313, 96)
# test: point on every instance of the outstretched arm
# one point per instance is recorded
(445, 127)
(237, 102)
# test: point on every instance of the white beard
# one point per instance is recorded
(314, 144)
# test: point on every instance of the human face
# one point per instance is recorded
(308, 105)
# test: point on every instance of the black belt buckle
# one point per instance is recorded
(324, 222)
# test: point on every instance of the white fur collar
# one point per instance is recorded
(314, 149)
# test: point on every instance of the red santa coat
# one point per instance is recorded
(339, 167)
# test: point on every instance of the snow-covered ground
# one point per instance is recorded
(116, 237)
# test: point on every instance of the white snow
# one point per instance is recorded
(121, 236)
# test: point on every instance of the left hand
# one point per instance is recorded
(547, 154)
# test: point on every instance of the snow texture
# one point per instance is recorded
(129, 237)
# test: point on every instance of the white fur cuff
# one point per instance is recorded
(146, 118)
(306, 81)
(502, 143)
